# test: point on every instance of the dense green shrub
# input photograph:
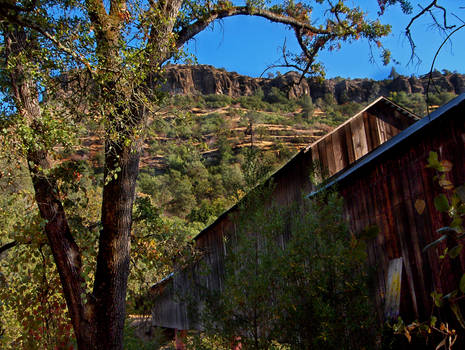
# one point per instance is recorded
(212, 123)
(294, 276)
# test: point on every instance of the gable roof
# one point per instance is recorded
(393, 142)
(403, 119)
(409, 115)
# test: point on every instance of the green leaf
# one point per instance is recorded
(462, 284)
(455, 252)
(433, 322)
(433, 161)
(437, 298)
(441, 203)
(445, 166)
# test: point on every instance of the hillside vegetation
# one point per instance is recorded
(201, 155)
(204, 152)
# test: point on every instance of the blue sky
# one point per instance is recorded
(248, 45)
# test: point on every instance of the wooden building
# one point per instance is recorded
(338, 153)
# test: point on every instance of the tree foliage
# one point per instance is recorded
(66, 62)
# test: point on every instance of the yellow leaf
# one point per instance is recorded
(446, 166)
(407, 334)
(420, 206)
(446, 184)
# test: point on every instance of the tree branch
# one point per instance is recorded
(193, 29)
(7, 246)
(27, 24)
(427, 9)
(430, 77)
(9, 5)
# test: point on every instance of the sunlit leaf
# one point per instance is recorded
(446, 184)
(446, 166)
(437, 298)
(433, 321)
(433, 161)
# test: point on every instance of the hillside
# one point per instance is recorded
(217, 133)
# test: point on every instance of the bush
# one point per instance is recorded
(295, 277)
(212, 123)
(307, 106)
(217, 101)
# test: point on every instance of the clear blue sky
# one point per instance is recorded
(248, 45)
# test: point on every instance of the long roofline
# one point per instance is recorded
(389, 144)
(306, 149)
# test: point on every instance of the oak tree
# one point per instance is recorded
(118, 49)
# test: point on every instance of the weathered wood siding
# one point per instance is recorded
(384, 192)
(334, 152)
(359, 136)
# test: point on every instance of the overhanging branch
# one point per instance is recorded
(193, 29)
(16, 19)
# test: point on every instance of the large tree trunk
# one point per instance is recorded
(114, 244)
(126, 116)
(65, 250)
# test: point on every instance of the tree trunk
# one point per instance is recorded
(114, 244)
(64, 249)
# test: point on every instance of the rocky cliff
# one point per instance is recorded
(203, 79)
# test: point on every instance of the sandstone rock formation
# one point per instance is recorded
(203, 79)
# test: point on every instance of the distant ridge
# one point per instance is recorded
(204, 80)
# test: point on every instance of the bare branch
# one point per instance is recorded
(444, 14)
(430, 79)
(7, 246)
(428, 9)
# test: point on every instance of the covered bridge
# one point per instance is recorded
(354, 156)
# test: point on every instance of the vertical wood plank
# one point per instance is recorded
(339, 163)
(366, 125)
(328, 147)
(359, 138)
(349, 144)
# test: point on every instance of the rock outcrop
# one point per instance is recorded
(203, 79)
